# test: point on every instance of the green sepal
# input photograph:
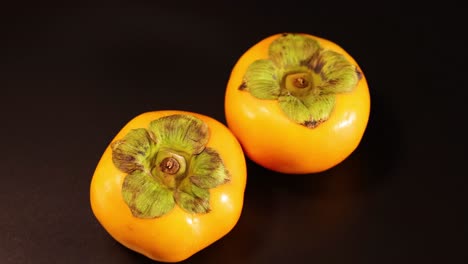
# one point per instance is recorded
(183, 133)
(261, 80)
(320, 107)
(146, 197)
(337, 74)
(292, 50)
(207, 170)
(294, 109)
(168, 164)
(131, 153)
(303, 76)
(192, 198)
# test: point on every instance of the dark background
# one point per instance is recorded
(70, 78)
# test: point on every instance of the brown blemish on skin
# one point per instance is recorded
(359, 74)
(123, 161)
(313, 123)
(319, 66)
(243, 86)
(316, 63)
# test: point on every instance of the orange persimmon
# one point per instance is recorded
(297, 103)
(169, 184)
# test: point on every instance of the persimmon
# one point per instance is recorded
(169, 184)
(297, 103)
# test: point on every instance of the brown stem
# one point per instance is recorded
(300, 82)
(169, 165)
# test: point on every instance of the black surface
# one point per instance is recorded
(71, 78)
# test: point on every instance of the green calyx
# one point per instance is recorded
(168, 164)
(303, 77)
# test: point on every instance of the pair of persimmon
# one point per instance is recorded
(172, 182)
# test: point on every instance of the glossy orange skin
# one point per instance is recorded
(273, 141)
(177, 235)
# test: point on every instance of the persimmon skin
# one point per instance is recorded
(275, 142)
(177, 235)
